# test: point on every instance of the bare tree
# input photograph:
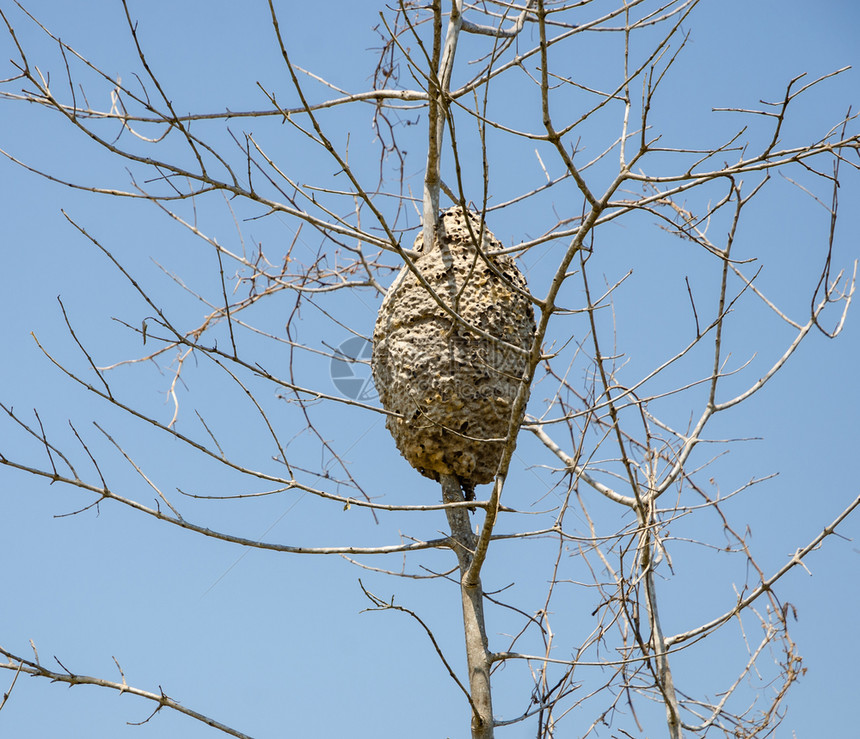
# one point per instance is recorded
(630, 440)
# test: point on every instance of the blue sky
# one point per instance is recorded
(275, 644)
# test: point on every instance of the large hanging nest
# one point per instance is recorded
(453, 382)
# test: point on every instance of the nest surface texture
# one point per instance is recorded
(453, 387)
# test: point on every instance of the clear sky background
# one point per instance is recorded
(278, 645)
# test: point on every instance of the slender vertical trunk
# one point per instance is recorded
(658, 641)
(439, 82)
(435, 128)
(477, 654)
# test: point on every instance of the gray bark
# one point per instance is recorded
(463, 541)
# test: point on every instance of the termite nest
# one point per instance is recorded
(450, 350)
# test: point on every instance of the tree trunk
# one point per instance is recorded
(477, 655)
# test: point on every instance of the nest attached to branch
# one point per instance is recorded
(453, 381)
